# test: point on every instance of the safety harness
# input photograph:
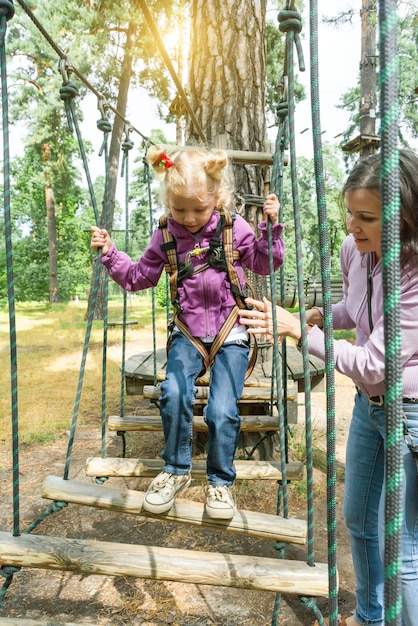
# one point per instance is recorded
(221, 257)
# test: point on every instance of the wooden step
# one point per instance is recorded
(249, 394)
(148, 468)
(202, 568)
(250, 423)
(251, 523)
(14, 621)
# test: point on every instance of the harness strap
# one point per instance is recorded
(172, 268)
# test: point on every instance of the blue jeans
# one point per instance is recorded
(364, 497)
(178, 393)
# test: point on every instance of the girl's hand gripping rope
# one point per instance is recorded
(100, 239)
(271, 208)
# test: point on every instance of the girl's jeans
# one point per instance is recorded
(363, 508)
(178, 392)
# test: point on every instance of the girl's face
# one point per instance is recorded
(364, 219)
(192, 213)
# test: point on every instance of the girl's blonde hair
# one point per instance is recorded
(190, 171)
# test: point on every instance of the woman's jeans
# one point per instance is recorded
(363, 508)
(178, 393)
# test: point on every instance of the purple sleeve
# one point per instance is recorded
(140, 275)
(254, 253)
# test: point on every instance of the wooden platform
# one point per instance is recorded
(139, 370)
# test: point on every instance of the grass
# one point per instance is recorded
(50, 340)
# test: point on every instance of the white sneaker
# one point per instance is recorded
(220, 502)
(163, 490)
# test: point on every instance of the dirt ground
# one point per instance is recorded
(62, 597)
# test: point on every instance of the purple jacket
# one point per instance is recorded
(364, 361)
(205, 297)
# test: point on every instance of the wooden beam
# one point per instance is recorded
(236, 156)
(201, 568)
(249, 394)
(253, 423)
(148, 468)
(183, 511)
(14, 621)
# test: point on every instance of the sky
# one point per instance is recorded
(339, 58)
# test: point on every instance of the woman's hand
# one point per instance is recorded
(100, 239)
(260, 320)
(271, 208)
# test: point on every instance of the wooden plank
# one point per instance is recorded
(252, 523)
(134, 423)
(122, 323)
(148, 468)
(14, 621)
(249, 394)
(202, 568)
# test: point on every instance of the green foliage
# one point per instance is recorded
(31, 243)
(333, 175)
(408, 101)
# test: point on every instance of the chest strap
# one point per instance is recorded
(222, 258)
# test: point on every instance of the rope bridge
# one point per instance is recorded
(307, 580)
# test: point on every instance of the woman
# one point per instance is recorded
(362, 309)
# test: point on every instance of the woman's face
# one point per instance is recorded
(364, 222)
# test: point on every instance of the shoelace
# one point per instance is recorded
(218, 493)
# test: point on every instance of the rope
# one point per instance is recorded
(148, 180)
(127, 146)
(72, 68)
(67, 94)
(6, 13)
(163, 51)
(325, 262)
(104, 125)
(389, 77)
(290, 22)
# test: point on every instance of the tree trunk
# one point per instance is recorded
(368, 75)
(52, 227)
(227, 88)
(52, 245)
(114, 152)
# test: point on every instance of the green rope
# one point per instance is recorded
(147, 180)
(389, 77)
(127, 146)
(6, 13)
(104, 125)
(68, 95)
(290, 22)
(324, 249)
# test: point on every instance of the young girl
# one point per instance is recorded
(364, 363)
(195, 190)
